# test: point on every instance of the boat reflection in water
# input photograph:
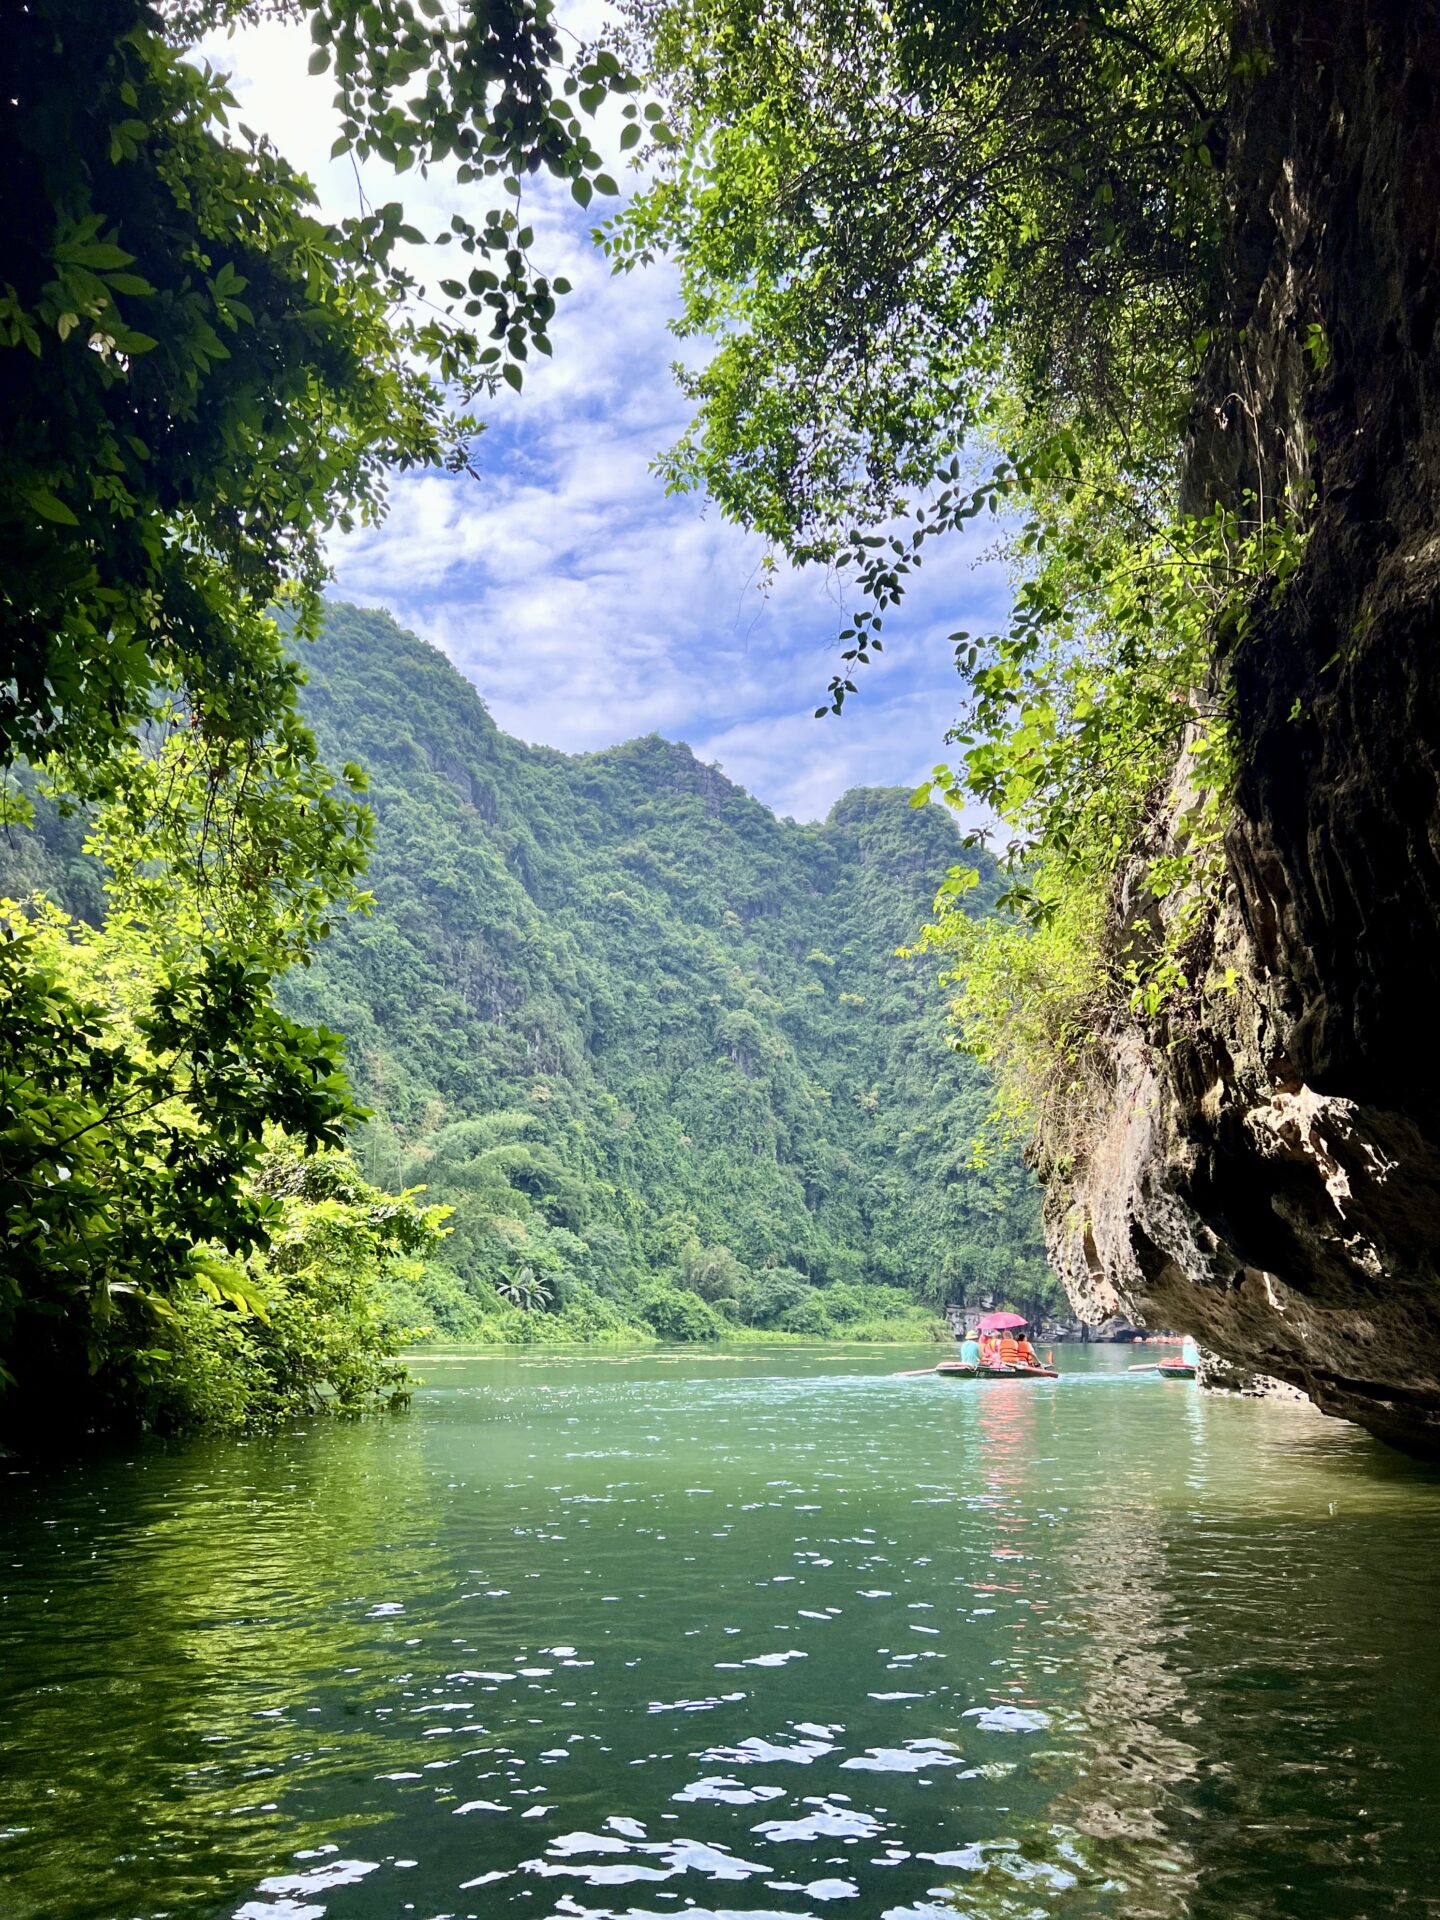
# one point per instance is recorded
(1093, 1823)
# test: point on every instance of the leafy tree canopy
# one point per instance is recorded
(199, 375)
(902, 225)
(951, 258)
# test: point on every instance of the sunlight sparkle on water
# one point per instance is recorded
(783, 1636)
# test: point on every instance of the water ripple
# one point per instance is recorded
(1082, 1654)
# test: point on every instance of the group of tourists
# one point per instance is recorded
(1009, 1348)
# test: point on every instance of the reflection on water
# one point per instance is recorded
(777, 1635)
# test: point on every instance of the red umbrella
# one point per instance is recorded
(1001, 1322)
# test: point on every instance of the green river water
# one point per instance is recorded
(757, 1634)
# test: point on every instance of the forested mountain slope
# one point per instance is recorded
(620, 1017)
(653, 1046)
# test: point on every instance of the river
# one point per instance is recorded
(720, 1634)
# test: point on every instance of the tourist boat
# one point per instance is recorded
(992, 1370)
(987, 1369)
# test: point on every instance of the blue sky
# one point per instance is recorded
(585, 605)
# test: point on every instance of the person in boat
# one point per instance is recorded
(1025, 1354)
(1009, 1354)
(970, 1351)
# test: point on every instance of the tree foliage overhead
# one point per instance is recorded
(899, 224)
(199, 374)
(956, 259)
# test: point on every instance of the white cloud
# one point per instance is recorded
(585, 604)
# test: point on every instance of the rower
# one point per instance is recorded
(970, 1351)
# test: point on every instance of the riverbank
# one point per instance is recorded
(541, 1333)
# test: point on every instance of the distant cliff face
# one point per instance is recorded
(1266, 1172)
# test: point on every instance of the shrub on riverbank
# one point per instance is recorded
(303, 1328)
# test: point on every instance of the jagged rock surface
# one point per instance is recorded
(1265, 1171)
(1219, 1376)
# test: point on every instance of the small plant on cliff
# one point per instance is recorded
(1079, 718)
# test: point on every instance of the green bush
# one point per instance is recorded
(303, 1328)
(677, 1316)
(588, 1315)
(845, 1302)
(426, 1297)
(714, 1273)
(768, 1295)
(809, 1317)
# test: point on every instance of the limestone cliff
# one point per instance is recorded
(1265, 1168)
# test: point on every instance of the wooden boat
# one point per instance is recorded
(997, 1370)
(1176, 1369)
(987, 1369)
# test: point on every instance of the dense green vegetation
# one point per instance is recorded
(285, 1260)
(651, 1047)
(642, 1036)
(946, 262)
(199, 377)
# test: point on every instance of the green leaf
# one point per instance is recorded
(49, 506)
(97, 254)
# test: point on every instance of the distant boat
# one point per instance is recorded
(1183, 1368)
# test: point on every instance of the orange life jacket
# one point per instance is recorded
(1008, 1350)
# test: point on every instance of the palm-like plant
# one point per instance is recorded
(524, 1289)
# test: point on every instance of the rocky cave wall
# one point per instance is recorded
(1265, 1172)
